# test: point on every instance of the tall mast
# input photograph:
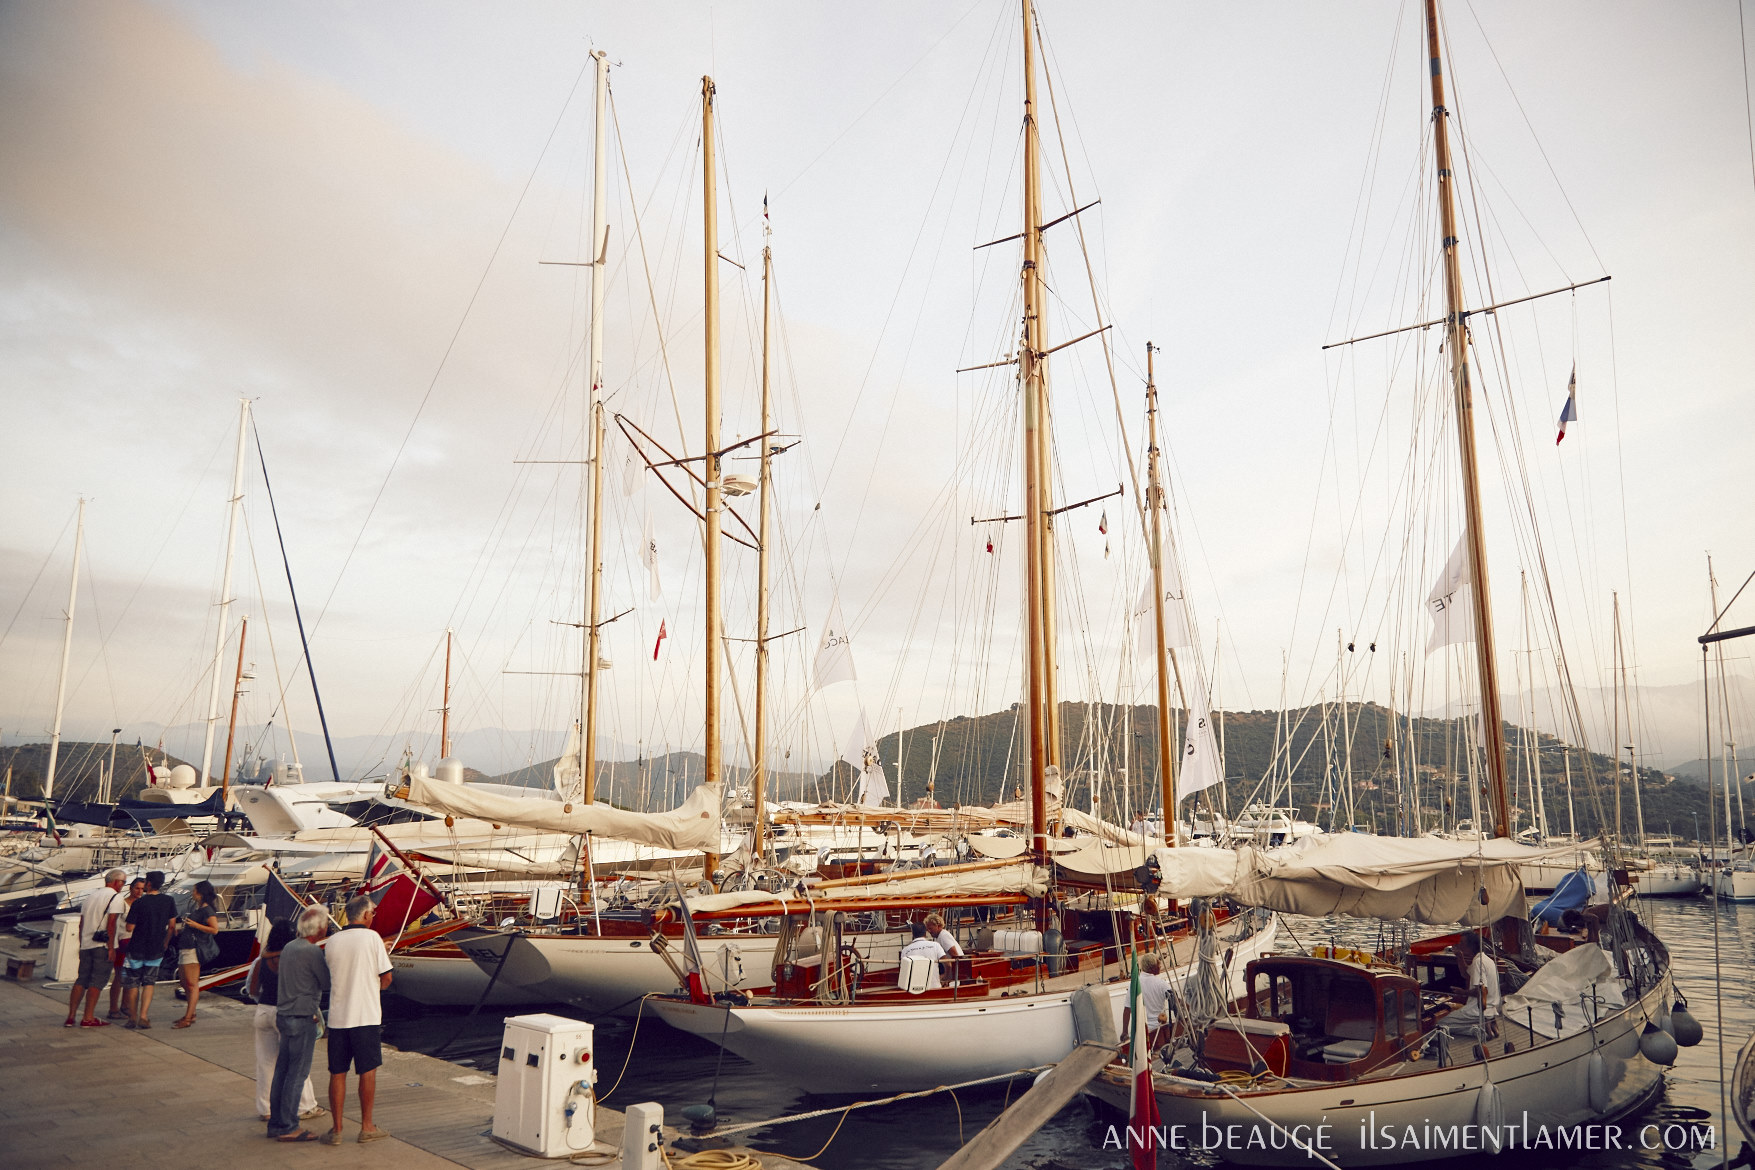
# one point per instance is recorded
(710, 396)
(1724, 765)
(1456, 341)
(225, 588)
(594, 370)
(67, 652)
(1167, 748)
(1031, 367)
(445, 711)
(759, 768)
(1632, 747)
(231, 730)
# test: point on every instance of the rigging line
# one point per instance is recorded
(1540, 149)
(304, 640)
(62, 535)
(444, 359)
(646, 266)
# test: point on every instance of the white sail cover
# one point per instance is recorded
(694, 825)
(1426, 879)
(1029, 880)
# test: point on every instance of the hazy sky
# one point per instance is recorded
(337, 210)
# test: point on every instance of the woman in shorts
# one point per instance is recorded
(201, 919)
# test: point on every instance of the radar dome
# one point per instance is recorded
(182, 776)
(450, 771)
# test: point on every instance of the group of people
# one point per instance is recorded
(301, 962)
(125, 935)
(123, 940)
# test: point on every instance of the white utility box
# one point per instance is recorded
(542, 1101)
(64, 949)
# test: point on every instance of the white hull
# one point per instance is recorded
(1547, 1085)
(902, 1047)
(1664, 880)
(1738, 885)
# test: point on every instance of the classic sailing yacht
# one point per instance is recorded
(1021, 998)
(1358, 1055)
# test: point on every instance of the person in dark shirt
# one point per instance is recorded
(153, 918)
(199, 930)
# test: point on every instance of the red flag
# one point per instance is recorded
(662, 635)
(403, 903)
(990, 544)
(1103, 524)
(1143, 1122)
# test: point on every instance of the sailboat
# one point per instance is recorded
(1347, 1054)
(1021, 998)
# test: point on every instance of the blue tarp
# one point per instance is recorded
(1570, 893)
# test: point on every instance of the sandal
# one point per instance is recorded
(118, 1015)
(185, 1022)
(304, 1135)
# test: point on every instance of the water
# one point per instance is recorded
(676, 1069)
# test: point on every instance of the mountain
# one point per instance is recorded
(662, 782)
(979, 761)
(76, 769)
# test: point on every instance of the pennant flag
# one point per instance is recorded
(764, 208)
(1103, 523)
(1201, 767)
(1106, 550)
(662, 635)
(1143, 1123)
(1175, 616)
(567, 769)
(1451, 602)
(1569, 412)
(649, 554)
(632, 466)
(834, 661)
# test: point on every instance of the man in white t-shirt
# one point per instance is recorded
(923, 946)
(1482, 1009)
(99, 912)
(359, 970)
(1154, 993)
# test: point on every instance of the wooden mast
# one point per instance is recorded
(231, 730)
(759, 765)
(1456, 341)
(594, 371)
(445, 710)
(1167, 748)
(1030, 371)
(66, 654)
(711, 454)
(1036, 325)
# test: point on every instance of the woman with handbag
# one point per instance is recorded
(197, 942)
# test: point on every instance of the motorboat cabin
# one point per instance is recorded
(1319, 1019)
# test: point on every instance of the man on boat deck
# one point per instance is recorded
(1481, 1013)
(1154, 994)
(924, 946)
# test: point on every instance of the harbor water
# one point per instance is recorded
(675, 1069)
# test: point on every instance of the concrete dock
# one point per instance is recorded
(185, 1099)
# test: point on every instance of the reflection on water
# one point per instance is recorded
(677, 1069)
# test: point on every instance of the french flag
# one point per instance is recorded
(1143, 1122)
(1569, 412)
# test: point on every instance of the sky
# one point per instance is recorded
(338, 211)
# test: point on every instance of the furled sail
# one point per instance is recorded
(693, 825)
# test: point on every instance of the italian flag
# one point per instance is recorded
(1142, 1108)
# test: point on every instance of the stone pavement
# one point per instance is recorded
(169, 1099)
